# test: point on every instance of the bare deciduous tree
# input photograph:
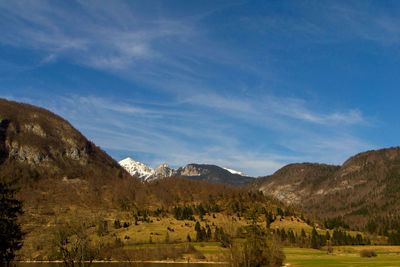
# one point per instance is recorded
(74, 244)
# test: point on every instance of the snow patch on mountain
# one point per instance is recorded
(236, 172)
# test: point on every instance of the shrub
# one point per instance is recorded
(367, 253)
(198, 255)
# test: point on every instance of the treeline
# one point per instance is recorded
(332, 223)
(237, 205)
(187, 212)
(385, 226)
(179, 192)
(316, 240)
(394, 233)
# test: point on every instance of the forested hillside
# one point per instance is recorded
(363, 193)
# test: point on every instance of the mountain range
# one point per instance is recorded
(55, 162)
(202, 172)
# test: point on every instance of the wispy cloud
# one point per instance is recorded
(165, 52)
(272, 106)
(297, 109)
(367, 22)
(103, 35)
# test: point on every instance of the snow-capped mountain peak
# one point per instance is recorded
(200, 171)
(136, 168)
(236, 172)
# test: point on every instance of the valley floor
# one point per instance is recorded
(344, 256)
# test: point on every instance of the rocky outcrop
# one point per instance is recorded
(192, 170)
(163, 171)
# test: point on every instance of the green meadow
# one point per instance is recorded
(346, 256)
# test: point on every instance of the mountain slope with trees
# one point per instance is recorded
(35, 142)
(364, 192)
(77, 197)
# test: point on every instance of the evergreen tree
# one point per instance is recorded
(117, 224)
(10, 230)
(303, 233)
(328, 235)
(283, 235)
(208, 233)
(197, 227)
(292, 238)
(371, 226)
(315, 239)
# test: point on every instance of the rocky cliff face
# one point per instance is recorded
(193, 170)
(163, 171)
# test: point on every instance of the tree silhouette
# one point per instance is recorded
(10, 230)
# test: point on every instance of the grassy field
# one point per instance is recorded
(212, 251)
(342, 256)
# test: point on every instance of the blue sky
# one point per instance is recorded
(249, 85)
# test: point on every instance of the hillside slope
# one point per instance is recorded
(34, 143)
(296, 182)
(366, 187)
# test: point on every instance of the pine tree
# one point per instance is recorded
(208, 233)
(292, 238)
(283, 235)
(303, 233)
(10, 230)
(315, 239)
(328, 235)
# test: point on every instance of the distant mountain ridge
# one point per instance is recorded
(202, 172)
